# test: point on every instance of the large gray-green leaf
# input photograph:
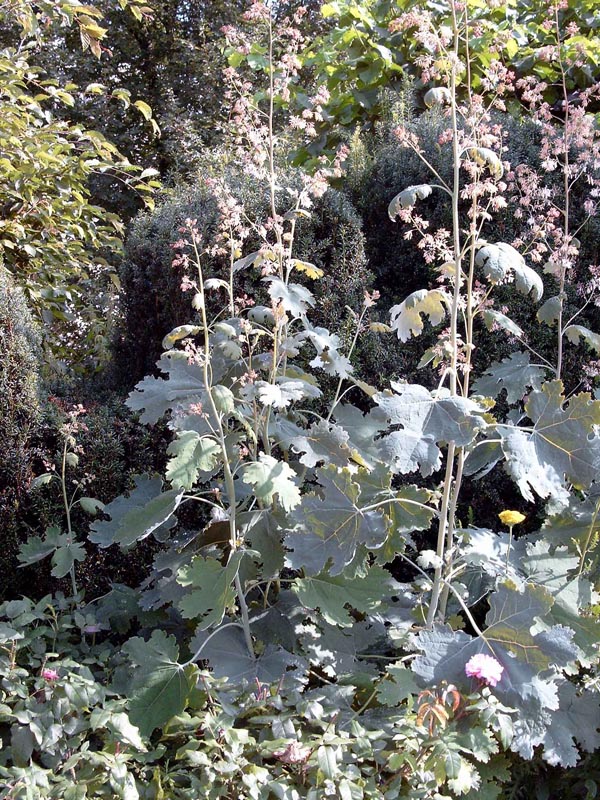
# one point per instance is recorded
(65, 556)
(515, 374)
(212, 592)
(295, 299)
(512, 623)
(500, 261)
(398, 685)
(322, 442)
(427, 419)
(406, 317)
(261, 529)
(284, 391)
(576, 332)
(160, 686)
(408, 508)
(145, 511)
(229, 658)
(557, 571)
(549, 311)
(36, 548)
(577, 526)
(495, 319)
(330, 595)
(192, 455)
(155, 396)
(409, 196)
(331, 527)
(562, 447)
(577, 718)
(271, 478)
(337, 650)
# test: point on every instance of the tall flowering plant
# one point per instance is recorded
(307, 494)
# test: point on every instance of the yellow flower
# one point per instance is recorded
(511, 518)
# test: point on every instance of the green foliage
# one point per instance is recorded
(20, 409)
(152, 302)
(374, 45)
(282, 587)
(52, 232)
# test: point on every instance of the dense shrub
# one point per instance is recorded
(380, 167)
(19, 412)
(152, 300)
(112, 447)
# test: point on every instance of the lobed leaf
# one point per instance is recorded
(406, 318)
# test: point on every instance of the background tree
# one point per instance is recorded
(52, 235)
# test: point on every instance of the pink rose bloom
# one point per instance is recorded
(484, 667)
(49, 674)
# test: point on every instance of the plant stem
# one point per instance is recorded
(63, 481)
(444, 522)
(229, 483)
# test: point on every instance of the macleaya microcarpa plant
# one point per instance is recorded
(284, 592)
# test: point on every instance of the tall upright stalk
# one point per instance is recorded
(444, 535)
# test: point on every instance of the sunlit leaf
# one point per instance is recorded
(406, 318)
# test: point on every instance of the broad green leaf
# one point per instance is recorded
(327, 761)
(36, 548)
(577, 526)
(119, 724)
(464, 778)
(211, 592)
(145, 511)
(562, 446)
(144, 108)
(160, 686)
(283, 392)
(406, 318)
(261, 530)
(191, 455)
(155, 396)
(312, 272)
(42, 480)
(178, 333)
(515, 374)
(557, 571)
(330, 595)
(64, 558)
(577, 718)
(90, 505)
(223, 399)
(511, 617)
(332, 526)
(407, 508)
(482, 743)
(333, 363)
(271, 478)
(397, 685)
